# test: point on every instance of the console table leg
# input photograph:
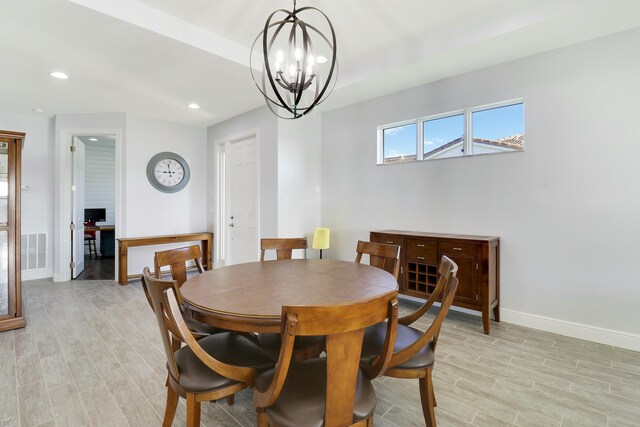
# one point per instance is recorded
(496, 313)
(122, 265)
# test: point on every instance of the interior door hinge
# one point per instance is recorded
(476, 265)
(477, 297)
(72, 227)
(73, 148)
(72, 265)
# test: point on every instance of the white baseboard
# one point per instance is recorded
(562, 327)
(36, 274)
(571, 329)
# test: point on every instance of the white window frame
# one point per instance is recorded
(467, 131)
(381, 130)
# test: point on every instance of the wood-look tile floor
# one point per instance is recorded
(91, 355)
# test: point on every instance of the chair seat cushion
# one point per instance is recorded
(226, 347)
(374, 340)
(274, 341)
(303, 397)
(201, 328)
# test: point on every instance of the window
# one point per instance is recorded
(399, 143)
(443, 137)
(499, 129)
(489, 129)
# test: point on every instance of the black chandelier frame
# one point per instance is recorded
(302, 79)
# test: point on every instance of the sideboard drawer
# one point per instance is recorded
(466, 249)
(390, 240)
(422, 251)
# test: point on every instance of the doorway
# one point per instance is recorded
(237, 214)
(93, 196)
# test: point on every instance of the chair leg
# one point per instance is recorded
(231, 399)
(193, 411)
(262, 420)
(172, 404)
(428, 400)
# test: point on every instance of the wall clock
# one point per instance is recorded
(168, 172)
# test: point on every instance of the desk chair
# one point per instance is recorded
(90, 238)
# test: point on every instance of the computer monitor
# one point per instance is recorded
(97, 215)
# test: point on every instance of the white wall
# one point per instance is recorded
(100, 178)
(299, 173)
(266, 124)
(566, 208)
(149, 211)
(37, 169)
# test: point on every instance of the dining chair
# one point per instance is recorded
(177, 260)
(208, 369)
(304, 347)
(327, 391)
(381, 255)
(414, 350)
(283, 247)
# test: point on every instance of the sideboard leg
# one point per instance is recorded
(486, 317)
(496, 312)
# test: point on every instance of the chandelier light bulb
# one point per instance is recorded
(279, 56)
(292, 70)
(298, 54)
(311, 61)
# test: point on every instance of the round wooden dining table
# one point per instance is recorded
(249, 297)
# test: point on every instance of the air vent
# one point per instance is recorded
(33, 251)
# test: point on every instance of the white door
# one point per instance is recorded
(242, 196)
(77, 211)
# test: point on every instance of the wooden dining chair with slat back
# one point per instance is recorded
(177, 260)
(381, 255)
(283, 247)
(305, 347)
(330, 391)
(414, 350)
(212, 368)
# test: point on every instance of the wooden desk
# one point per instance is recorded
(206, 240)
(107, 238)
(249, 297)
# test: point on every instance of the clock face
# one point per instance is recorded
(168, 172)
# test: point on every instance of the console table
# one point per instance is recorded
(205, 239)
(478, 259)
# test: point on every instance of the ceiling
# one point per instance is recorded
(153, 57)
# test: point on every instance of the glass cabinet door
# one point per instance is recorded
(4, 238)
(10, 293)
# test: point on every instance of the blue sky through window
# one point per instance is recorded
(498, 122)
(400, 141)
(439, 132)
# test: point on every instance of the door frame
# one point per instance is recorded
(220, 221)
(62, 198)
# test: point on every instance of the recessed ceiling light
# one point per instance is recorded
(59, 75)
(193, 106)
(321, 59)
(93, 139)
(38, 110)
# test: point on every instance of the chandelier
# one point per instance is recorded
(296, 73)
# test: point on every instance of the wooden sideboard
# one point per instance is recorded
(478, 259)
